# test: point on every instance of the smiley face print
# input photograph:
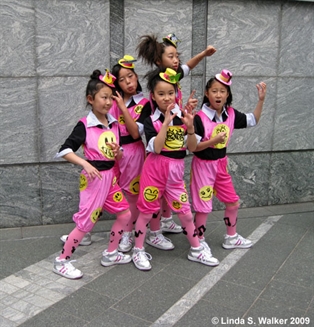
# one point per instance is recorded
(105, 149)
(183, 197)
(83, 182)
(121, 120)
(221, 128)
(151, 193)
(175, 138)
(95, 215)
(176, 205)
(117, 197)
(135, 185)
(206, 193)
(138, 109)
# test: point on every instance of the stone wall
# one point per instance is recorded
(49, 49)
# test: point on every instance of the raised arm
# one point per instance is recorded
(193, 62)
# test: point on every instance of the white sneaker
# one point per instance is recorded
(157, 240)
(65, 268)
(87, 239)
(205, 245)
(114, 258)
(202, 256)
(236, 242)
(126, 242)
(141, 259)
(169, 225)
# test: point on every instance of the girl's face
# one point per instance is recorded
(127, 81)
(164, 94)
(102, 101)
(170, 58)
(217, 95)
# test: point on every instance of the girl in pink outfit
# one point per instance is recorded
(98, 134)
(214, 123)
(169, 133)
(165, 55)
(130, 108)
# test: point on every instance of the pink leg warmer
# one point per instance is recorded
(140, 229)
(72, 242)
(188, 227)
(117, 229)
(200, 223)
(231, 216)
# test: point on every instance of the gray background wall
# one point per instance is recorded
(49, 49)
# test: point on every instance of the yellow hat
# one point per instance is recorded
(170, 76)
(172, 39)
(127, 62)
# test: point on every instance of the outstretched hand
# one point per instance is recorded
(261, 89)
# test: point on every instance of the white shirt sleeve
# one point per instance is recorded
(250, 120)
(186, 70)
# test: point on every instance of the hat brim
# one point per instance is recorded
(218, 78)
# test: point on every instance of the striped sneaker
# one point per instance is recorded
(169, 225)
(236, 242)
(65, 268)
(114, 258)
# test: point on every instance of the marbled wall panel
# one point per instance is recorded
(294, 116)
(72, 36)
(60, 193)
(62, 103)
(245, 98)
(18, 121)
(291, 178)
(161, 18)
(116, 31)
(17, 42)
(20, 196)
(246, 35)
(297, 40)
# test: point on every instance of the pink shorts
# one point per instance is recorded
(130, 167)
(97, 195)
(208, 178)
(162, 176)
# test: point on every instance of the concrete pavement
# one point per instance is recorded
(270, 284)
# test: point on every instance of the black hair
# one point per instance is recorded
(208, 86)
(95, 84)
(115, 71)
(150, 50)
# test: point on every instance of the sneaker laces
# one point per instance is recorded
(126, 239)
(143, 255)
(161, 238)
(68, 265)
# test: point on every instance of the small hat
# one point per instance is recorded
(224, 77)
(108, 78)
(127, 62)
(172, 39)
(170, 76)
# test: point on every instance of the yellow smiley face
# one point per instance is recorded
(176, 205)
(183, 197)
(206, 193)
(106, 137)
(117, 197)
(121, 120)
(221, 128)
(174, 138)
(83, 182)
(95, 215)
(138, 109)
(135, 185)
(151, 193)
